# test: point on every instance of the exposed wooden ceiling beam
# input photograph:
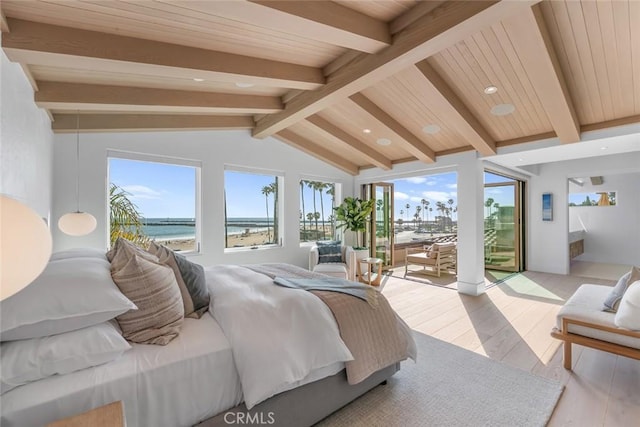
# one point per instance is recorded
(446, 25)
(309, 147)
(367, 152)
(458, 114)
(4, 25)
(43, 44)
(325, 21)
(73, 96)
(66, 123)
(410, 16)
(409, 142)
(530, 38)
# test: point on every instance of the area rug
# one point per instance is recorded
(450, 386)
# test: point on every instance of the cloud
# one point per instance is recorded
(141, 192)
(398, 195)
(416, 180)
(453, 186)
(440, 196)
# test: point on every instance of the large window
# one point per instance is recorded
(154, 198)
(252, 209)
(317, 220)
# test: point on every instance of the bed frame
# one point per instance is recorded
(305, 405)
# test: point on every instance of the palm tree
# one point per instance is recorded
(124, 218)
(418, 209)
(401, 213)
(408, 206)
(310, 219)
(304, 222)
(488, 203)
(450, 201)
(441, 207)
(266, 190)
(430, 229)
(332, 192)
(320, 186)
(424, 204)
(312, 185)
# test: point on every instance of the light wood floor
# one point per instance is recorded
(511, 323)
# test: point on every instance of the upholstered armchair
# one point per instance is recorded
(333, 260)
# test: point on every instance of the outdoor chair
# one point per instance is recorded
(433, 259)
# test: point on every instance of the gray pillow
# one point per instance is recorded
(193, 277)
(329, 253)
(613, 299)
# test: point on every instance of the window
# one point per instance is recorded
(603, 198)
(317, 221)
(252, 209)
(154, 198)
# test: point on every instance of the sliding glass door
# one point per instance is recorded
(502, 223)
(381, 230)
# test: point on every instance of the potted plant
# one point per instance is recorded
(353, 215)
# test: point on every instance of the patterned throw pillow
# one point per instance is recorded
(190, 279)
(329, 253)
(152, 287)
(613, 299)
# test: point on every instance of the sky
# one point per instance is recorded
(158, 190)
(168, 191)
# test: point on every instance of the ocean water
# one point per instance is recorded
(185, 228)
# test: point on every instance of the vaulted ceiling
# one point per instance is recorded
(358, 84)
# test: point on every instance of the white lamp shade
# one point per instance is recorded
(25, 246)
(77, 223)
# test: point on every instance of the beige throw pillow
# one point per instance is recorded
(152, 287)
(165, 255)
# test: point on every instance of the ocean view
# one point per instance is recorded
(184, 228)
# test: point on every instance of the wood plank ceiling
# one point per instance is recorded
(356, 84)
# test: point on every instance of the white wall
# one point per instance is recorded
(26, 141)
(548, 241)
(214, 149)
(610, 229)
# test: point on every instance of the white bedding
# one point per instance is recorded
(272, 352)
(190, 379)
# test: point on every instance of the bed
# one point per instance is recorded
(218, 366)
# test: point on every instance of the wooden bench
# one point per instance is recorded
(433, 259)
(582, 321)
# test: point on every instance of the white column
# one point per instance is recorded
(471, 225)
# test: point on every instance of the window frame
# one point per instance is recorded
(280, 178)
(168, 160)
(338, 185)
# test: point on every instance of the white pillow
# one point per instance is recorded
(69, 294)
(30, 360)
(628, 315)
(79, 253)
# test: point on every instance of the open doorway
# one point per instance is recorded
(503, 236)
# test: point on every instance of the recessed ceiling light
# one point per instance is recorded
(603, 148)
(521, 160)
(489, 90)
(384, 141)
(503, 109)
(431, 129)
(198, 80)
(366, 130)
(245, 85)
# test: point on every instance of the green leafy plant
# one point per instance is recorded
(353, 214)
(124, 218)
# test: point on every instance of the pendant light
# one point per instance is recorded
(77, 223)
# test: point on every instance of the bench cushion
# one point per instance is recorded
(586, 304)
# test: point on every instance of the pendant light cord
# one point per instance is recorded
(77, 161)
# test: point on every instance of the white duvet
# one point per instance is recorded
(272, 352)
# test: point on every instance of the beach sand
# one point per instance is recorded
(236, 240)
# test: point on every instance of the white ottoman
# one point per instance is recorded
(332, 269)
